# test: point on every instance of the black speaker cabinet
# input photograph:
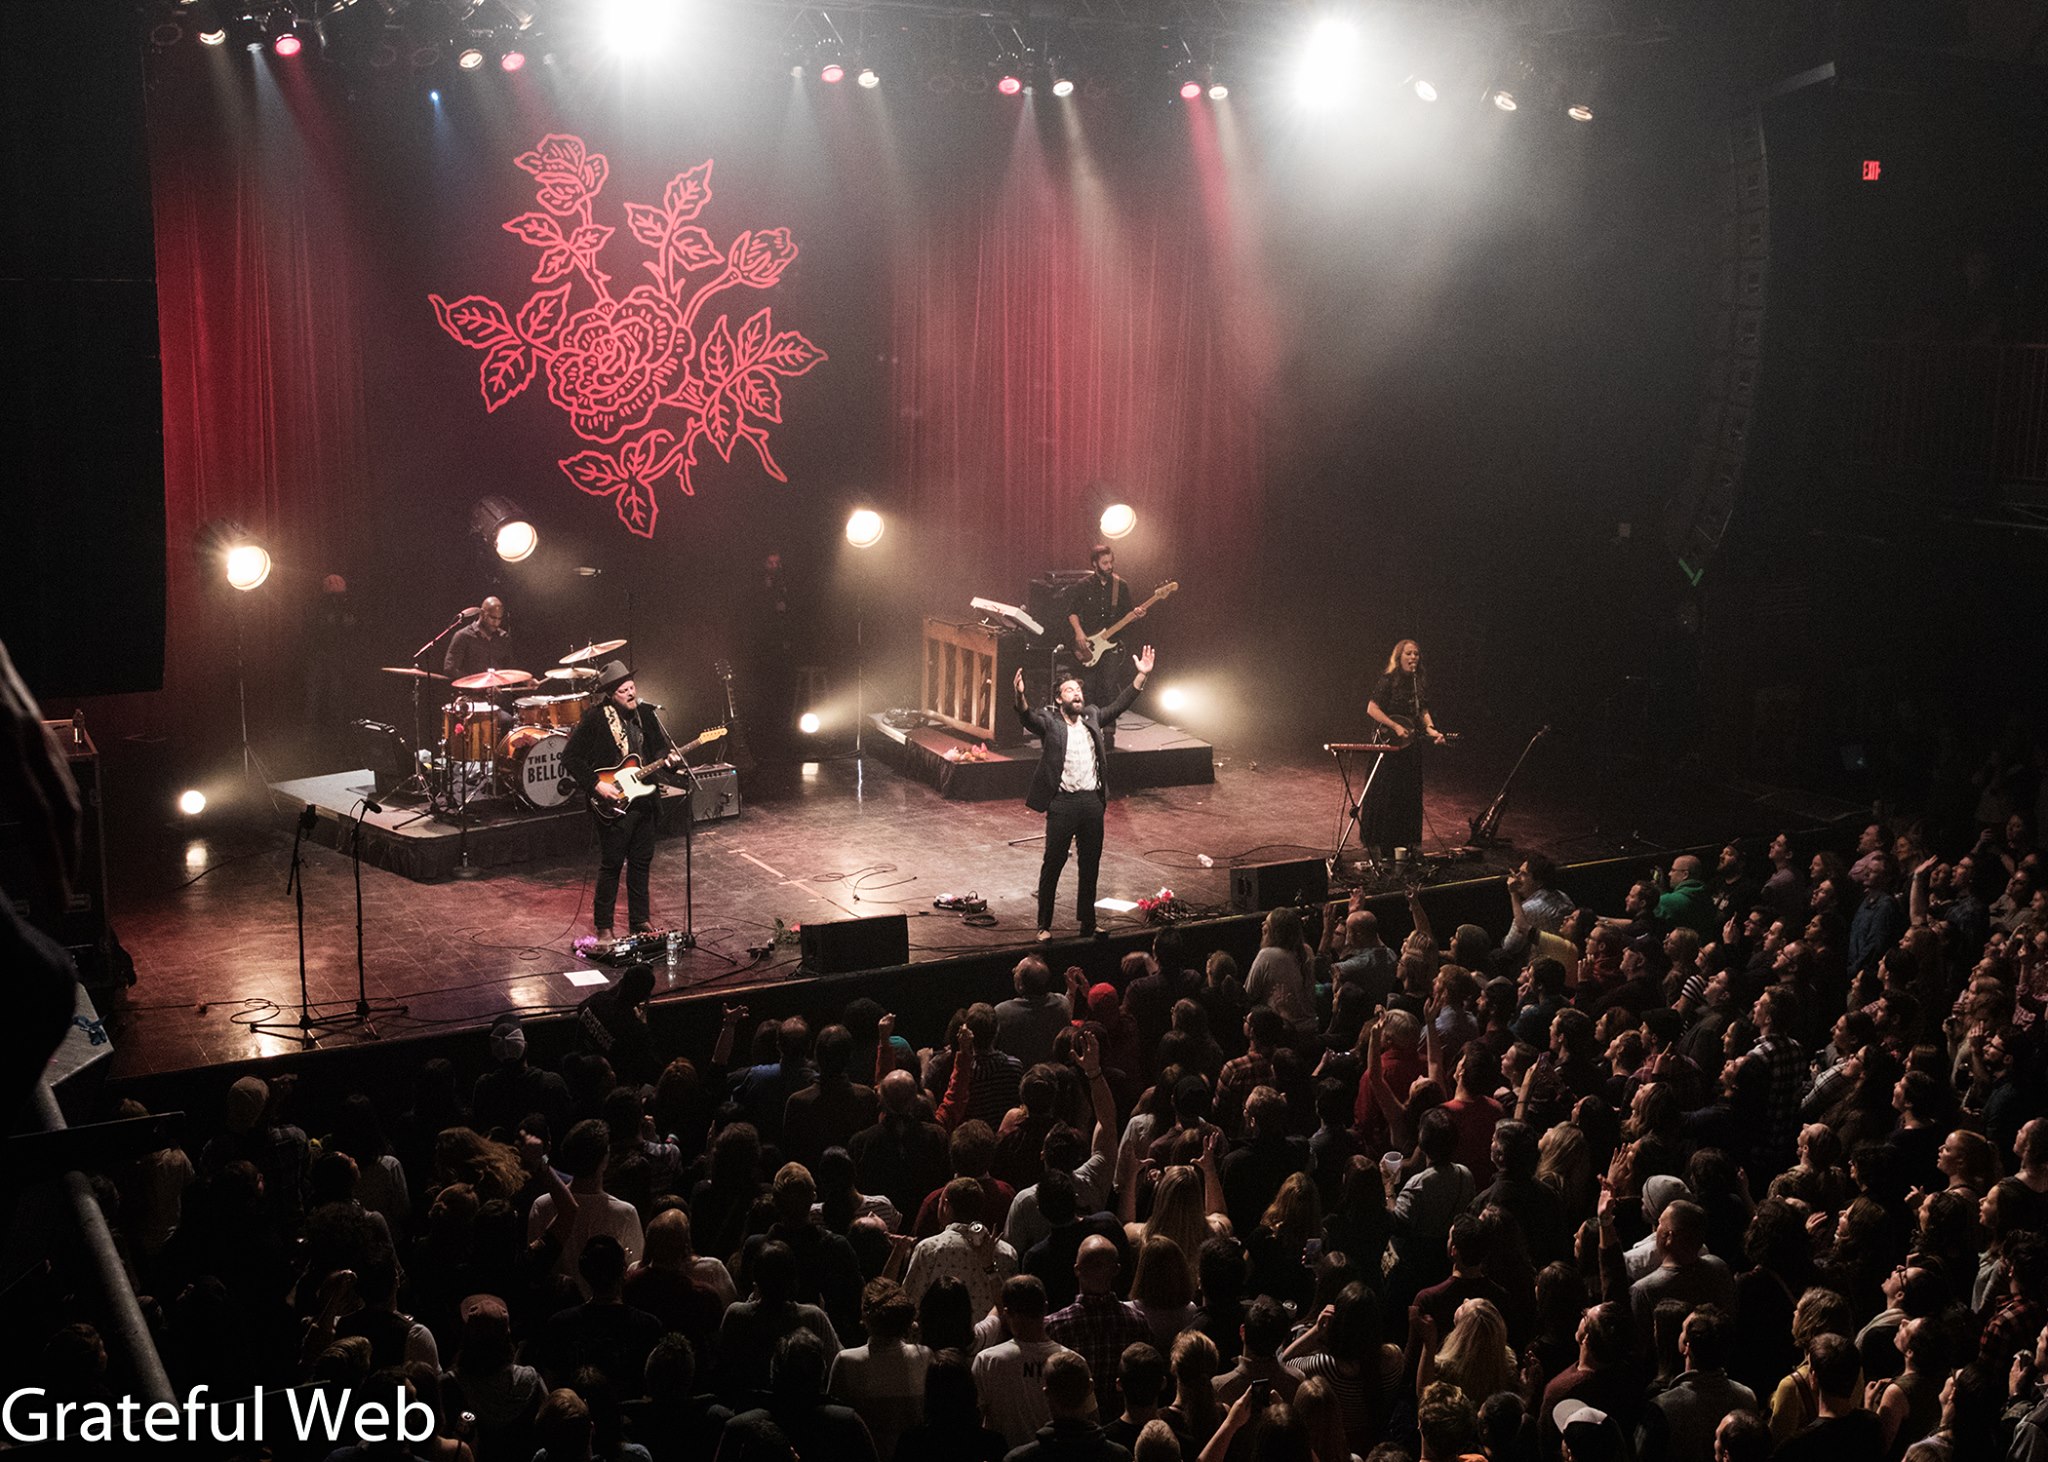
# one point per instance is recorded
(1255, 887)
(717, 792)
(849, 946)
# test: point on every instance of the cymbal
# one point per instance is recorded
(414, 671)
(570, 672)
(494, 680)
(591, 651)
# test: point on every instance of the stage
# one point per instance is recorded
(213, 938)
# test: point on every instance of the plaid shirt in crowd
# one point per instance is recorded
(1787, 1065)
(1098, 1327)
(1241, 1076)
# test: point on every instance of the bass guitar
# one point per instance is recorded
(634, 781)
(1101, 644)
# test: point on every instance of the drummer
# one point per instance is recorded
(482, 644)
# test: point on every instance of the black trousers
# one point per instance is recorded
(627, 843)
(1073, 820)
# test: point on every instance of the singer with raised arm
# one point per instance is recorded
(480, 645)
(619, 728)
(1391, 815)
(1071, 784)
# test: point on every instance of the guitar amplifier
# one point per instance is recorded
(1256, 887)
(716, 792)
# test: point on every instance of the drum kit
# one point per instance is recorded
(507, 733)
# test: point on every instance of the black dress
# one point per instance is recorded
(1391, 815)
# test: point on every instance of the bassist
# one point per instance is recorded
(1093, 605)
(619, 726)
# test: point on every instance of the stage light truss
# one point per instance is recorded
(442, 29)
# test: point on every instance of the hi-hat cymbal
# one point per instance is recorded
(591, 651)
(494, 680)
(413, 670)
(570, 672)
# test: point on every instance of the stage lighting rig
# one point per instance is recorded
(504, 525)
(1117, 521)
(864, 528)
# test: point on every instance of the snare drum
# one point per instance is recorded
(556, 712)
(469, 728)
(532, 761)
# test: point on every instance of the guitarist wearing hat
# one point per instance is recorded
(619, 727)
(1095, 603)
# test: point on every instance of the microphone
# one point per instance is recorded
(371, 804)
(472, 612)
(653, 705)
(585, 572)
(307, 818)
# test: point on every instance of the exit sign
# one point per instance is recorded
(1872, 170)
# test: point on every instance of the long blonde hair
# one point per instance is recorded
(1394, 659)
(1180, 1213)
(1565, 1162)
(1315, 1402)
(1475, 1356)
(1296, 1212)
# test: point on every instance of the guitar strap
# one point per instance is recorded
(618, 730)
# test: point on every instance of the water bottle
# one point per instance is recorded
(675, 942)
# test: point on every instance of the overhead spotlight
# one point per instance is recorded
(504, 525)
(288, 44)
(215, 36)
(1422, 88)
(1173, 698)
(635, 29)
(1218, 91)
(470, 59)
(868, 78)
(1329, 62)
(1063, 87)
(1504, 99)
(1118, 519)
(247, 565)
(832, 73)
(191, 802)
(808, 723)
(1579, 112)
(512, 61)
(1009, 86)
(864, 528)
(1190, 90)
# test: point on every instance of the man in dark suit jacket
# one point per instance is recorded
(1071, 785)
(616, 727)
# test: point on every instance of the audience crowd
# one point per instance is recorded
(1750, 1166)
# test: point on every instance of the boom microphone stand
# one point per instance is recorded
(305, 1030)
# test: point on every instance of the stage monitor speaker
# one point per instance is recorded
(717, 792)
(850, 946)
(1255, 887)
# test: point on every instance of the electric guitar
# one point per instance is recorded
(1101, 644)
(634, 781)
(738, 752)
(1407, 737)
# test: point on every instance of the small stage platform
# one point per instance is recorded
(427, 847)
(1147, 754)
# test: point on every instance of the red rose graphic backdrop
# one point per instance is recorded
(615, 361)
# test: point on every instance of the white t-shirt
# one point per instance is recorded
(1011, 1380)
(1078, 774)
(596, 1213)
(1024, 1227)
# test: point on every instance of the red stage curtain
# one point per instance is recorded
(264, 417)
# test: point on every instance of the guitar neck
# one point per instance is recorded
(1118, 627)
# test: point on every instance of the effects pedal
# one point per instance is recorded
(961, 903)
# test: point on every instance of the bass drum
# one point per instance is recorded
(532, 756)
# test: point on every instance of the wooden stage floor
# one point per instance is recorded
(212, 934)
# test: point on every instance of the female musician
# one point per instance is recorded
(1391, 816)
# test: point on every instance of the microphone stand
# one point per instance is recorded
(305, 1028)
(364, 1010)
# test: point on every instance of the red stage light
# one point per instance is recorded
(1189, 90)
(289, 45)
(1009, 86)
(833, 73)
(513, 60)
